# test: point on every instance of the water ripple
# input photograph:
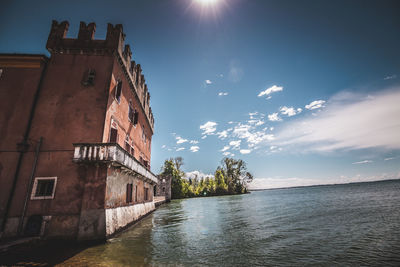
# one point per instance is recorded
(343, 225)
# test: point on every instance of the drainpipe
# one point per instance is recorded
(23, 147)
(28, 190)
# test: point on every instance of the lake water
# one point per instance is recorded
(354, 224)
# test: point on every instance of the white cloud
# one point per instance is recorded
(194, 148)
(315, 104)
(251, 114)
(242, 130)
(208, 82)
(289, 111)
(256, 118)
(204, 137)
(208, 127)
(281, 182)
(256, 122)
(225, 148)
(351, 122)
(245, 151)
(194, 142)
(228, 154)
(270, 90)
(223, 134)
(180, 140)
(163, 146)
(274, 117)
(389, 158)
(235, 144)
(362, 162)
(222, 93)
(180, 149)
(251, 135)
(196, 174)
(393, 76)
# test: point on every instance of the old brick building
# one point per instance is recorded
(75, 137)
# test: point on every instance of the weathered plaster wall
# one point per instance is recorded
(117, 218)
(92, 224)
(18, 83)
(117, 181)
(92, 220)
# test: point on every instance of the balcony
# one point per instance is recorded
(111, 153)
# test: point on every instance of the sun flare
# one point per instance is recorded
(207, 9)
(206, 2)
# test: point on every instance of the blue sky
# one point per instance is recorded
(306, 92)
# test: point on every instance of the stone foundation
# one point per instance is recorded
(118, 218)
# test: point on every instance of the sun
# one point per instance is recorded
(206, 2)
(207, 9)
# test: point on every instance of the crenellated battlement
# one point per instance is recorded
(58, 43)
(86, 32)
(114, 44)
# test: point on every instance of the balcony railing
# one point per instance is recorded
(110, 152)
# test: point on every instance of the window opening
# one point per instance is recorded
(131, 115)
(146, 194)
(89, 77)
(44, 188)
(113, 135)
(129, 188)
(127, 145)
(118, 91)
(135, 117)
(136, 193)
(132, 150)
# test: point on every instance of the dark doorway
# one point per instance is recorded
(113, 135)
(33, 225)
(155, 190)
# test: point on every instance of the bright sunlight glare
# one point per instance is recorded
(207, 8)
(206, 2)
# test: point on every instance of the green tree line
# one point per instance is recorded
(231, 177)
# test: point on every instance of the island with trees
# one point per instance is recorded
(230, 178)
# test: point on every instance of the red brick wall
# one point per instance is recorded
(119, 113)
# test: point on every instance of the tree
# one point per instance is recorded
(221, 186)
(178, 161)
(231, 177)
(236, 175)
(170, 170)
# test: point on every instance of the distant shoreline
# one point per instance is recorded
(318, 185)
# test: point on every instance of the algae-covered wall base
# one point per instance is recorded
(118, 218)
